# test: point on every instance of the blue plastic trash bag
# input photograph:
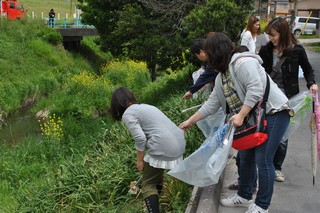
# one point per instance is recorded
(205, 165)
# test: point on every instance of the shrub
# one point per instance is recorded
(263, 25)
(84, 94)
(133, 75)
(168, 84)
(53, 37)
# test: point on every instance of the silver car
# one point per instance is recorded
(300, 23)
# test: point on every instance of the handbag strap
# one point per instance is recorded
(265, 96)
(266, 92)
(277, 67)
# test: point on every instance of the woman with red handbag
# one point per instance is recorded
(240, 84)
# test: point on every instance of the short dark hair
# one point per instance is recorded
(121, 99)
(197, 45)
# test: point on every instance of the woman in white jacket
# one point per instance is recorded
(249, 35)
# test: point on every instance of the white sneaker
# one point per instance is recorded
(253, 208)
(236, 201)
(279, 177)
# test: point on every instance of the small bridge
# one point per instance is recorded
(72, 30)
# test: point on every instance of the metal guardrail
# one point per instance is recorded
(66, 23)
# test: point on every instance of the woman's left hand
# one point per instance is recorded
(314, 88)
(237, 119)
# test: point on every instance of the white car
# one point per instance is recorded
(299, 22)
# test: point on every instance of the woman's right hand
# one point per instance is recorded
(186, 125)
(192, 120)
(140, 165)
(188, 95)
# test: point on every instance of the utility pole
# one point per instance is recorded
(293, 10)
(268, 14)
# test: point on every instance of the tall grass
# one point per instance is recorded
(96, 177)
(92, 165)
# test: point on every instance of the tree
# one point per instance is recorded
(218, 16)
(142, 30)
(158, 31)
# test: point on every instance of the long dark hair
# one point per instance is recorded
(219, 49)
(121, 99)
(286, 38)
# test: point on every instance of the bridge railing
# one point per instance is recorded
(66, 23)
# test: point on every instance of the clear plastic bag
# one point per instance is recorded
(211, 123)
(301, 105)
(218, 160)
(206, 89)
(205, 165)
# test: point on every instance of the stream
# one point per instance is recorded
(18, 126)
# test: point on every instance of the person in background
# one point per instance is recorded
(160, 144)
(240, 84)
(282, 56)
(249, 35)
(208, 76)
(52, 15)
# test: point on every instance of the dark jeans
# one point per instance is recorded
(51, 22)
(262, 156)
(238, 165)
(280, 155)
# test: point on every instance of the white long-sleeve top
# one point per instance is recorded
(249, 41)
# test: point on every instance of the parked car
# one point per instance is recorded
(299, 22)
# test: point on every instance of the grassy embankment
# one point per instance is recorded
(39, 7)
(84, 161)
